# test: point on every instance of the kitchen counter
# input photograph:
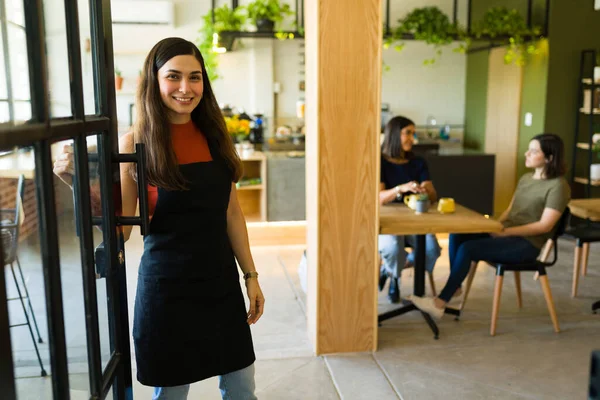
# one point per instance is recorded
(464, 174)
(286, 187)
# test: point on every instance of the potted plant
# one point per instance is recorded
(118, 79)
(238, 128)
(502, 22)
(265, 13)
(225, 19)
(429, 24)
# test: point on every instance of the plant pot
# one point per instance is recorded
(595, 172)
(226, 42)
(265, 25)
(118, 82)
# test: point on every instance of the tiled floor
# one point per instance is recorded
(526, 360)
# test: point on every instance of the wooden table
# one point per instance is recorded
(586, 208)
(398, 219)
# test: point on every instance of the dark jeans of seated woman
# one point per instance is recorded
(465, 248)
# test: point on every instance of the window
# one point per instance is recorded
(15, 96)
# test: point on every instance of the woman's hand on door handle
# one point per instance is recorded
(64, 166)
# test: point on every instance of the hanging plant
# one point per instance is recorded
(428, 24)
(501, 22)
(226, 19)
(266, 13)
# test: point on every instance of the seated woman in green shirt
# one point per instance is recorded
(531, 218)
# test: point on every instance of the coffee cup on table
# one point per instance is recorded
(446, 205)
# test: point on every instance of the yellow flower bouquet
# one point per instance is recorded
(239, 129)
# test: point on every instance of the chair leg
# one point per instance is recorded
(576, 264)
(496, 306)
(549, 301)
(37, 352)
(37, 330)
(518, 288)
(432, 283)
(470, 278)
(585, 256)
(544, 256)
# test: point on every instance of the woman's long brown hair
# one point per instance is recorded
(152, 125)
(392, 144)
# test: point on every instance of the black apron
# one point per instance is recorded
(190, 317)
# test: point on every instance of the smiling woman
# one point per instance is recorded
(190, 320)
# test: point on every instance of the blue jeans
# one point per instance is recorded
(391, 248)
(237, 385)
(465, 248)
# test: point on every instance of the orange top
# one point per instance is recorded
(190, 147)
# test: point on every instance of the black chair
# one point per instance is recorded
(583, 234)
(9, 228)
(538, 266)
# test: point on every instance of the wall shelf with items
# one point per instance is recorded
(252, 187)
(585, 181)
(587, 125)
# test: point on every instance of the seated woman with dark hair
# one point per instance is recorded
(402, 172)
(529, 221)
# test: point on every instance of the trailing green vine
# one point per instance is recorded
(429, 24)
(501, 22)
(433, 26)
(226, 19)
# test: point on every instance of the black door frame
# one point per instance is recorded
(40, 132)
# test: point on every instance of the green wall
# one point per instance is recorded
(476, 99)
(533, 100)
(573, 28)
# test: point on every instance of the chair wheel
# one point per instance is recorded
(436, 337)
(457, 318)
(44, 373)
(40, 340)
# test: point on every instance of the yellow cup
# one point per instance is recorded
(446, 205)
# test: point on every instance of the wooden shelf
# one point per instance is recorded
(589, 82)
(586, 112)
(584, 181)
(253, 197)
(253, 217)
(254, 156)
(584, 146)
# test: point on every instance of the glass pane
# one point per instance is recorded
(3, 87)
(4, 116)
(22, 110)
(25, 278)
(87, 70)
(57, 58)
(19, 70)
(14, 12)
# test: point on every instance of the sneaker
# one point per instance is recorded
(427, 305)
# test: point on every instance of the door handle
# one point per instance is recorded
(139, 158)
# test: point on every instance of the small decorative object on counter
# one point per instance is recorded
(257, 130)
(248, 182)
(118, 80)
(238, 128)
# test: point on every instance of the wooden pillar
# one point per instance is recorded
(343, 96)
